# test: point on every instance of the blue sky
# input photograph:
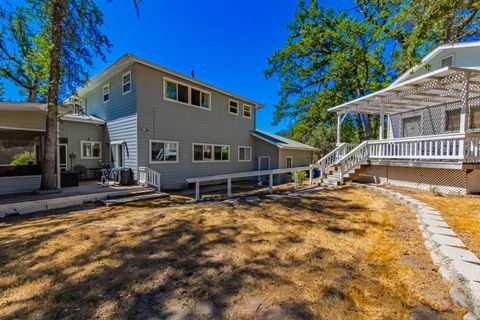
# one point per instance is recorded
(226, 42)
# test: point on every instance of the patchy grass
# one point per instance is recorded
(462, 213)
(333, 254)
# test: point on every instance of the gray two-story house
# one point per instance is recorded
(179, 126)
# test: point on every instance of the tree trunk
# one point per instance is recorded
(368, 127)
(49, 154)
(32, 95)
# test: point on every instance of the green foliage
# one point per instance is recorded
(24, 159)
(302, 176)
(332, 57)
(434, 189)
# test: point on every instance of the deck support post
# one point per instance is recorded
(310, 175)
(229, 187)
(464, 111)
(382, 122)
(270, 183)
(197, 191)
(295, 174)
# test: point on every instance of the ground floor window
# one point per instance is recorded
(210, 152)
(244, 153)
(91, 149)
(163, 151)
(289, 162)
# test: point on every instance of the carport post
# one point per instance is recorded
(229, 187)
(197, 190)
(270, 183)
(295, 173)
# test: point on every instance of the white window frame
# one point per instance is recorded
(189, 87)
(238, 107)
(161, 141)
(103, 92)
(212, 145)
(244, 147)
(286, 162)
(129, 72)
(246, 105)
(90, 142)
(446, 57)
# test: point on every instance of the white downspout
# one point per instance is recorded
(58, 155)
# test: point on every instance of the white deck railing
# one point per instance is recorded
(249, 174)
(334, 156)
(149, 177)
(449, 147)
(358, 156)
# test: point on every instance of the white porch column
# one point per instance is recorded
(389, 126)
(464, 110)
(382, 122)
(339, 129)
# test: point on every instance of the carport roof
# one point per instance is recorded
(281, 142)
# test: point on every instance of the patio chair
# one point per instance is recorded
(105, 172)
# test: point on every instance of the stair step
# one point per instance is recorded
(136, 192)
(119, 201)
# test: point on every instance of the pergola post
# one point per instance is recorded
(464, 111)
(340, 119)
(382, 122)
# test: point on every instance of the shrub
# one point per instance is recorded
(24, 159)
(302, 176)
(434, 190)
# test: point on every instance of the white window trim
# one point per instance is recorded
(161, 141)
(243, 113)
(103, 93)
(213, 152)
(238, 107)
(245, 147)
(446, 57)
(91, 142)
(165, 79)
(123, 75)
(286, 161)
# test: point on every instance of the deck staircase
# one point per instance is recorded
(344, 163)
(138, 194)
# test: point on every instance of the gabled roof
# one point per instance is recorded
(128, 59)
(429, 57)
(280, 142)
(82, 118)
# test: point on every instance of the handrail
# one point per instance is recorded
(352, 159)
(149, 177)
(247, 174)
(334, 156)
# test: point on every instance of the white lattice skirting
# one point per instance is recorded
(445, 180)
(49, 204)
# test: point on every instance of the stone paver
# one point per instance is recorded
(435, 223)
(467, 270)
(431, 217)
(441, 230)
(458, 254)
(448, 241)
(252, 199)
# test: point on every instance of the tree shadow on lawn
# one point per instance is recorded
(174, 270)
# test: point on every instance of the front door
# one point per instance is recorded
(117, 155)
(63, 156)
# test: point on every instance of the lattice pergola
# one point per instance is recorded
(449, 85)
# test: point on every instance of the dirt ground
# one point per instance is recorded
(462, 213)
(333, 254)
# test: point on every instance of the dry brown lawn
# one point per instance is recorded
(333, 254)
(462, 213)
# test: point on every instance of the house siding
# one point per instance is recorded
(159, 119)
(300, 157)
(77, 132)
(125, 129)
(120, 105)
(265, 149)
(20, 184)
(26, 120)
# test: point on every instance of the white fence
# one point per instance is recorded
(269, 173)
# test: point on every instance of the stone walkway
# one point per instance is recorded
(457, 264)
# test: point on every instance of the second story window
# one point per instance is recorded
(126, 82)
(233, 107)
(106, 93)
(179, 92)
(247, 111)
